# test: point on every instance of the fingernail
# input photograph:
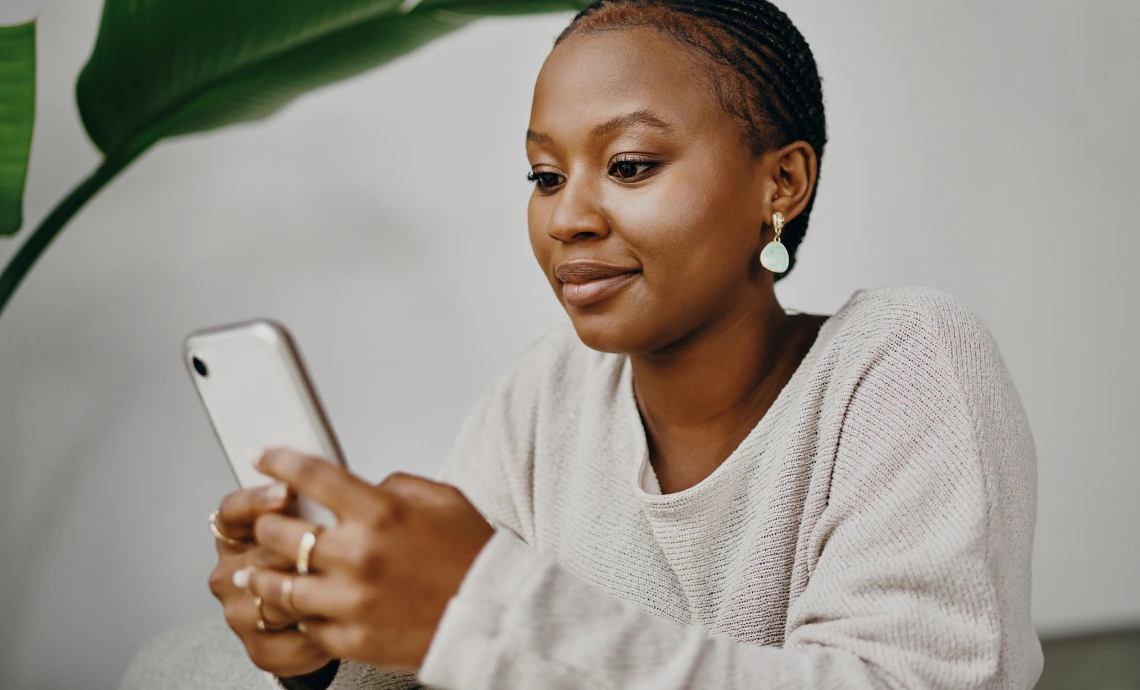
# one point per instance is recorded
(241, 578)
(277, 493)
(301, 627)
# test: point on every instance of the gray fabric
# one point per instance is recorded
(207, 655)
(204, 655)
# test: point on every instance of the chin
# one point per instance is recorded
(620, 330)
(610, 331)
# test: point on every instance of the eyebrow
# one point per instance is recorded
(638, 117)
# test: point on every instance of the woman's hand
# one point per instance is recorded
(283, 652)
(379, 582)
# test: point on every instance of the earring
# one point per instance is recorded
(775, 255)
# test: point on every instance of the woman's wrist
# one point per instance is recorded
(320, 679)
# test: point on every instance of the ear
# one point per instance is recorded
(790, 175)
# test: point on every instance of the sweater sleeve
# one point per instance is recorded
(475, 464)
(909, 583)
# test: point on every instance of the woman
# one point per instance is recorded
(687, 486)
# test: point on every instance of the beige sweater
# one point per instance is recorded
(874, 529)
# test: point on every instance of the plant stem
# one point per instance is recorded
(64, 211)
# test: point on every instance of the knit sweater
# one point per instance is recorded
(874, 529)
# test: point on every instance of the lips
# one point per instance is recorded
(589, 282)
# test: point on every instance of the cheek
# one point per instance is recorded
(540, 241)
(691, 228)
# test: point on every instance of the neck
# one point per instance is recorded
(715, 380)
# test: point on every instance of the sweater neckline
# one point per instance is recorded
(645, 484)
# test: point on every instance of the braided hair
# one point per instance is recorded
(763, 70)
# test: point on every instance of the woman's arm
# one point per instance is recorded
(476, 465)
(920, 578)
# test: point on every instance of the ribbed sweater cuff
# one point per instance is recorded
(469, 633)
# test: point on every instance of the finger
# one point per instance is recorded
(240, 509)
(332, 486)
(284, 652)
(224, 579)
(277, 617)
(274, 615)
(269, 559)
(417, 489)
(282, 535)
(333, 638)
(303, 596)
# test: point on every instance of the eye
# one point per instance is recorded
(545, 181)
(630, 170)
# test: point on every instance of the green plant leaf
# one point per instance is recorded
(17, 115)
(162, 68)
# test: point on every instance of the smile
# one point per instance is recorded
(594, 291)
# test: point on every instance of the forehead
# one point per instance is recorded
(592, 77)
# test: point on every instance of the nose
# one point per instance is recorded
(578, 215)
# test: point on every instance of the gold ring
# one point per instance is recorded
(287, 596)
(261, 624)
(257, 602)
(305, 550)
(218, 532)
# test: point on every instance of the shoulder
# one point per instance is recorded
(918, 353)
(911, 311)
(937, 330)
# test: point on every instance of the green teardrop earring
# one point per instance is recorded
(774, 257)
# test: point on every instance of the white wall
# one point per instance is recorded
(986, 148)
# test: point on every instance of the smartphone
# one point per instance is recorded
(257, 395)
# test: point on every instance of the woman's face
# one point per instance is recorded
(649, 206)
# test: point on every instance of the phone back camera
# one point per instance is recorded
(200, 367)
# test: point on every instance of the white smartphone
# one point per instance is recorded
(257, 395)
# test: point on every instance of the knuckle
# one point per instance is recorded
(359, 556)
(359, 599)
(375, 558)
(266, 528)
(385, 511)
(234, 505)
(309, 470)
(228, 504)
(265, 558)
(357, 639)
(259, 653)
(394, 479)
(365, 556)
(219, 578)
(277, 615)
(235, 618)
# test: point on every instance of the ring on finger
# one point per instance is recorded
(221, 536)
(261, 624)
(287, 596)
(305, 550)
(257, 602)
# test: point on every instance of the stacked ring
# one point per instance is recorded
(258, 602)
(305, 551)
(287, 596)
(217, 531)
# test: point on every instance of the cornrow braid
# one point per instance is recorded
(764, 71)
